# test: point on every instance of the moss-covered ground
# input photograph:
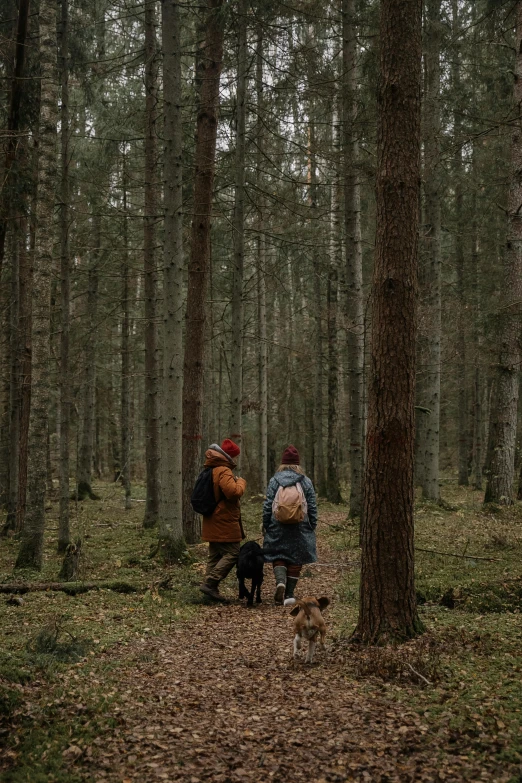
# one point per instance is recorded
(59, 653)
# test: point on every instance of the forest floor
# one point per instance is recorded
(159, 685)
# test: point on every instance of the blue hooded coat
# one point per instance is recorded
(294, 543)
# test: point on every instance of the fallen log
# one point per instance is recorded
(71, 588)
(453, 554)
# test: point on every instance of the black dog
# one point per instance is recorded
(250, 566)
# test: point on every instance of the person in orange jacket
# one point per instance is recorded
(223, 529)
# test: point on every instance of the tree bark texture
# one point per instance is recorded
(64, 537)
(238, 230)
(149, 259)
(30, 554)
(478, 392)
(333, 489)
(319, 473)
(171, 443)
(13, 122)
(14, 384)
(125, 352)
(458, 170)
(387, 594)
(85, 457)
(354, 278)
(499, 487)
(87, 444)
(26, 273)
(429, 420)
(199, 264)
(261, 279)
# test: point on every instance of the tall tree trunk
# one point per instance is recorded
(387, 596)
(261, 272)
(212, 60)
(499, 487)
(290, 397)
(171, 485)
(86, 455)
(64, 537)
(149, 258)
(26, 272)
(238, 230)
(30, 554)
(125, 352)
(13, 122)
(333, 489)
(14, 384)
(354, 278)
(458, 171)
(18, 358)
(478, 393)
(319, 467)
(429, 420)
(85, 460)
(4, 392)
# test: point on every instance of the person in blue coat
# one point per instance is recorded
(289, 546)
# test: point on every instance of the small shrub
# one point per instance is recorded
(47, 643)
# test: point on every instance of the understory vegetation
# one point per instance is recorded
(62, 652)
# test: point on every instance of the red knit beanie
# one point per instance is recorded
(230, 448)
(290, 456)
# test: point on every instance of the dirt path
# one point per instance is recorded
(221, 700)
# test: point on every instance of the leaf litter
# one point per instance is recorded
(220, 699)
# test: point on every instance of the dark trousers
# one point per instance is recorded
(222, 557)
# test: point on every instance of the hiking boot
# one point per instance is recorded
(213, 592)
(290, 601)
(279, 594)
(291, 583)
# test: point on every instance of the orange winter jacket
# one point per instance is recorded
(223, 524)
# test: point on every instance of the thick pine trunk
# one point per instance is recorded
(429, 399)
(238, 230)
(354, 279)
(501, 468)
(199, 264)
(150, 274)
(64, 537)
(387, 596)
(170, 527)
(30, 554)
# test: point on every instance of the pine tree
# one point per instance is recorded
(30, 554)
(199, 264)
(387, 595)
(171, 485)
(499, 488)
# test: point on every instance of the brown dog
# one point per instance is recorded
(309, 623)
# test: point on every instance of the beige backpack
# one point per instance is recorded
(289, 506)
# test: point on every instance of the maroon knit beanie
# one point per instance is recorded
(230, 448)
(290, 456)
